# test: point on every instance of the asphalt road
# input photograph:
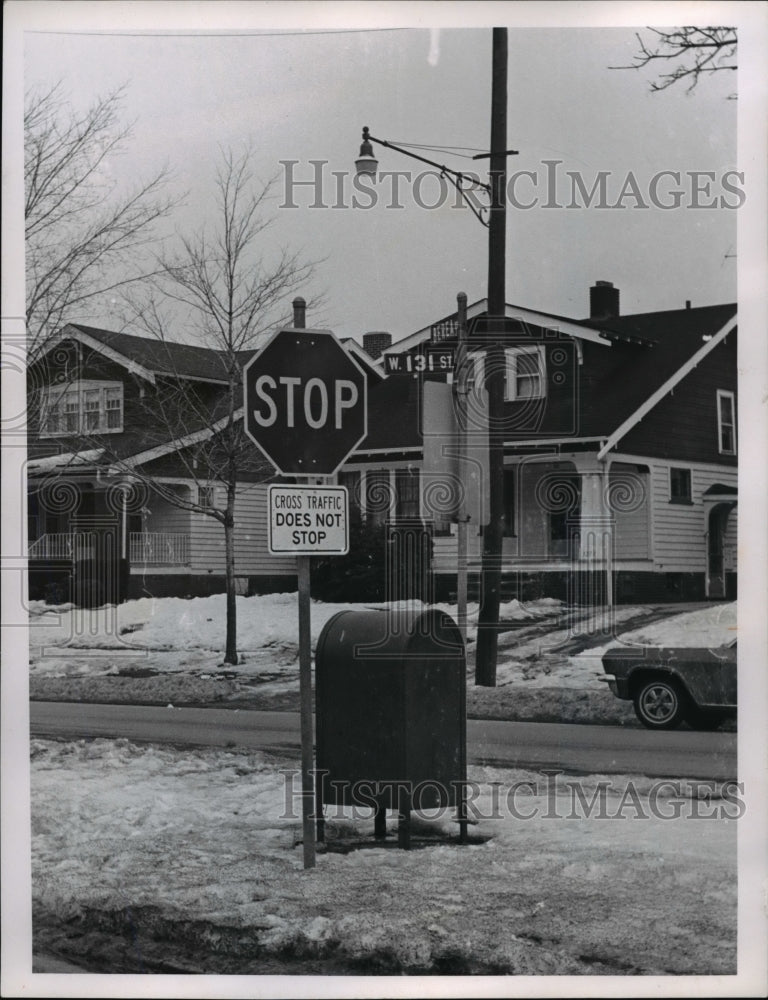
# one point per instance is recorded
(573, 748)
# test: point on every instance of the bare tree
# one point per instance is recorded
(84, 236)
(689, 53)
(231, 293)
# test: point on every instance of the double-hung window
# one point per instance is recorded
(525, 372)
(526, 375)
(82, 407)
(726, 422)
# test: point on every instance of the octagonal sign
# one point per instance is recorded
(305, 402)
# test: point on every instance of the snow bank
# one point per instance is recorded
(708, 627)
(212, 836)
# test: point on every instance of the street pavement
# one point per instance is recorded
(573, 748)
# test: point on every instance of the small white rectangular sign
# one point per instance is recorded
(308, 520)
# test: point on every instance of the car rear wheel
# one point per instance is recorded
(659, 703)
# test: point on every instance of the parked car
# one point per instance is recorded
(670, 685)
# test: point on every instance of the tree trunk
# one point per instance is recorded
(230, 655)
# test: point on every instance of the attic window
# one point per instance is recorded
(726, 422)
(81, 407)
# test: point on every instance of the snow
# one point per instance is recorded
(165, 834)
(709, 627)
(199, 849)
(65, 458)
(176, 635)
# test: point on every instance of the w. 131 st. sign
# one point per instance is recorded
(305, 402)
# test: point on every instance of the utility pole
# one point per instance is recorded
(487, 631)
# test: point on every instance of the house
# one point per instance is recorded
(620, 461)
(122, 469)
(620, 452)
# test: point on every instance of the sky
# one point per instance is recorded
(298, 82)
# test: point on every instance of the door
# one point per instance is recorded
(716, 525)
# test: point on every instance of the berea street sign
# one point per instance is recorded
(305, 402)
(308, 520)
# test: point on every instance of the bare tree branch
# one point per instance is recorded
(233, 293)
(689, 53)
(83, 236)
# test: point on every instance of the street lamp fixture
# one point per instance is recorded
(464, 183)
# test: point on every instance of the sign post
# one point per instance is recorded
(305, 407)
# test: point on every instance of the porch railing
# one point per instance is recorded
(158, 548)
(57, 545)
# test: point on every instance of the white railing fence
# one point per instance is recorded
(57, 545)
(156, 548)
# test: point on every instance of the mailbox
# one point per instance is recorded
(391, 714)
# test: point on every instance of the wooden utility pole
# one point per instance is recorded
(487, 631)
(460, 389)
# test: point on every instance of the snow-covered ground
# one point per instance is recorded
(149, 858)
(194, 856)
(171, 650)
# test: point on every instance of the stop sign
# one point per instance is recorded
(305, 402)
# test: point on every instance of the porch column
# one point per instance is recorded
(595, 549)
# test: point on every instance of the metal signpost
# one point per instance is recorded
(305, 407)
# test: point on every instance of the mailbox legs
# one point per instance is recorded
(319, 806)
(380, 822)
(404, 819)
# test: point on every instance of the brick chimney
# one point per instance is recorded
(376, 343)
(299, 313)
(603, 300)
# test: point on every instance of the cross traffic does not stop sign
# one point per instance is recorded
(305, 402)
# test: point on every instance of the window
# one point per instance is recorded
(407, 500)
(525, 376)
(726, 422)
(206, 496)
(525, 373)
(378, 496)
(565, 494)
(82, 407)
(509, 503)
(352, 480)
(679, 485)
(475, 371)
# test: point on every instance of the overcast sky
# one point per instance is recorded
(304, 95)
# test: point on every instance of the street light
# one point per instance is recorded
(495, 222)
(367, 163)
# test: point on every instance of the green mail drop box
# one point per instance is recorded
(390, 712)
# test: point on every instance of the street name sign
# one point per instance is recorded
(433, 360)
(305, 402)
(308, 520)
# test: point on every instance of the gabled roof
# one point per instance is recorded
(530, 317)
(671, 343)
(147, 356)
(647, 355)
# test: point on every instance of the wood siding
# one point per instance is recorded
(164, 516)
(679, 530)
(629, 496)
(252, 557)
